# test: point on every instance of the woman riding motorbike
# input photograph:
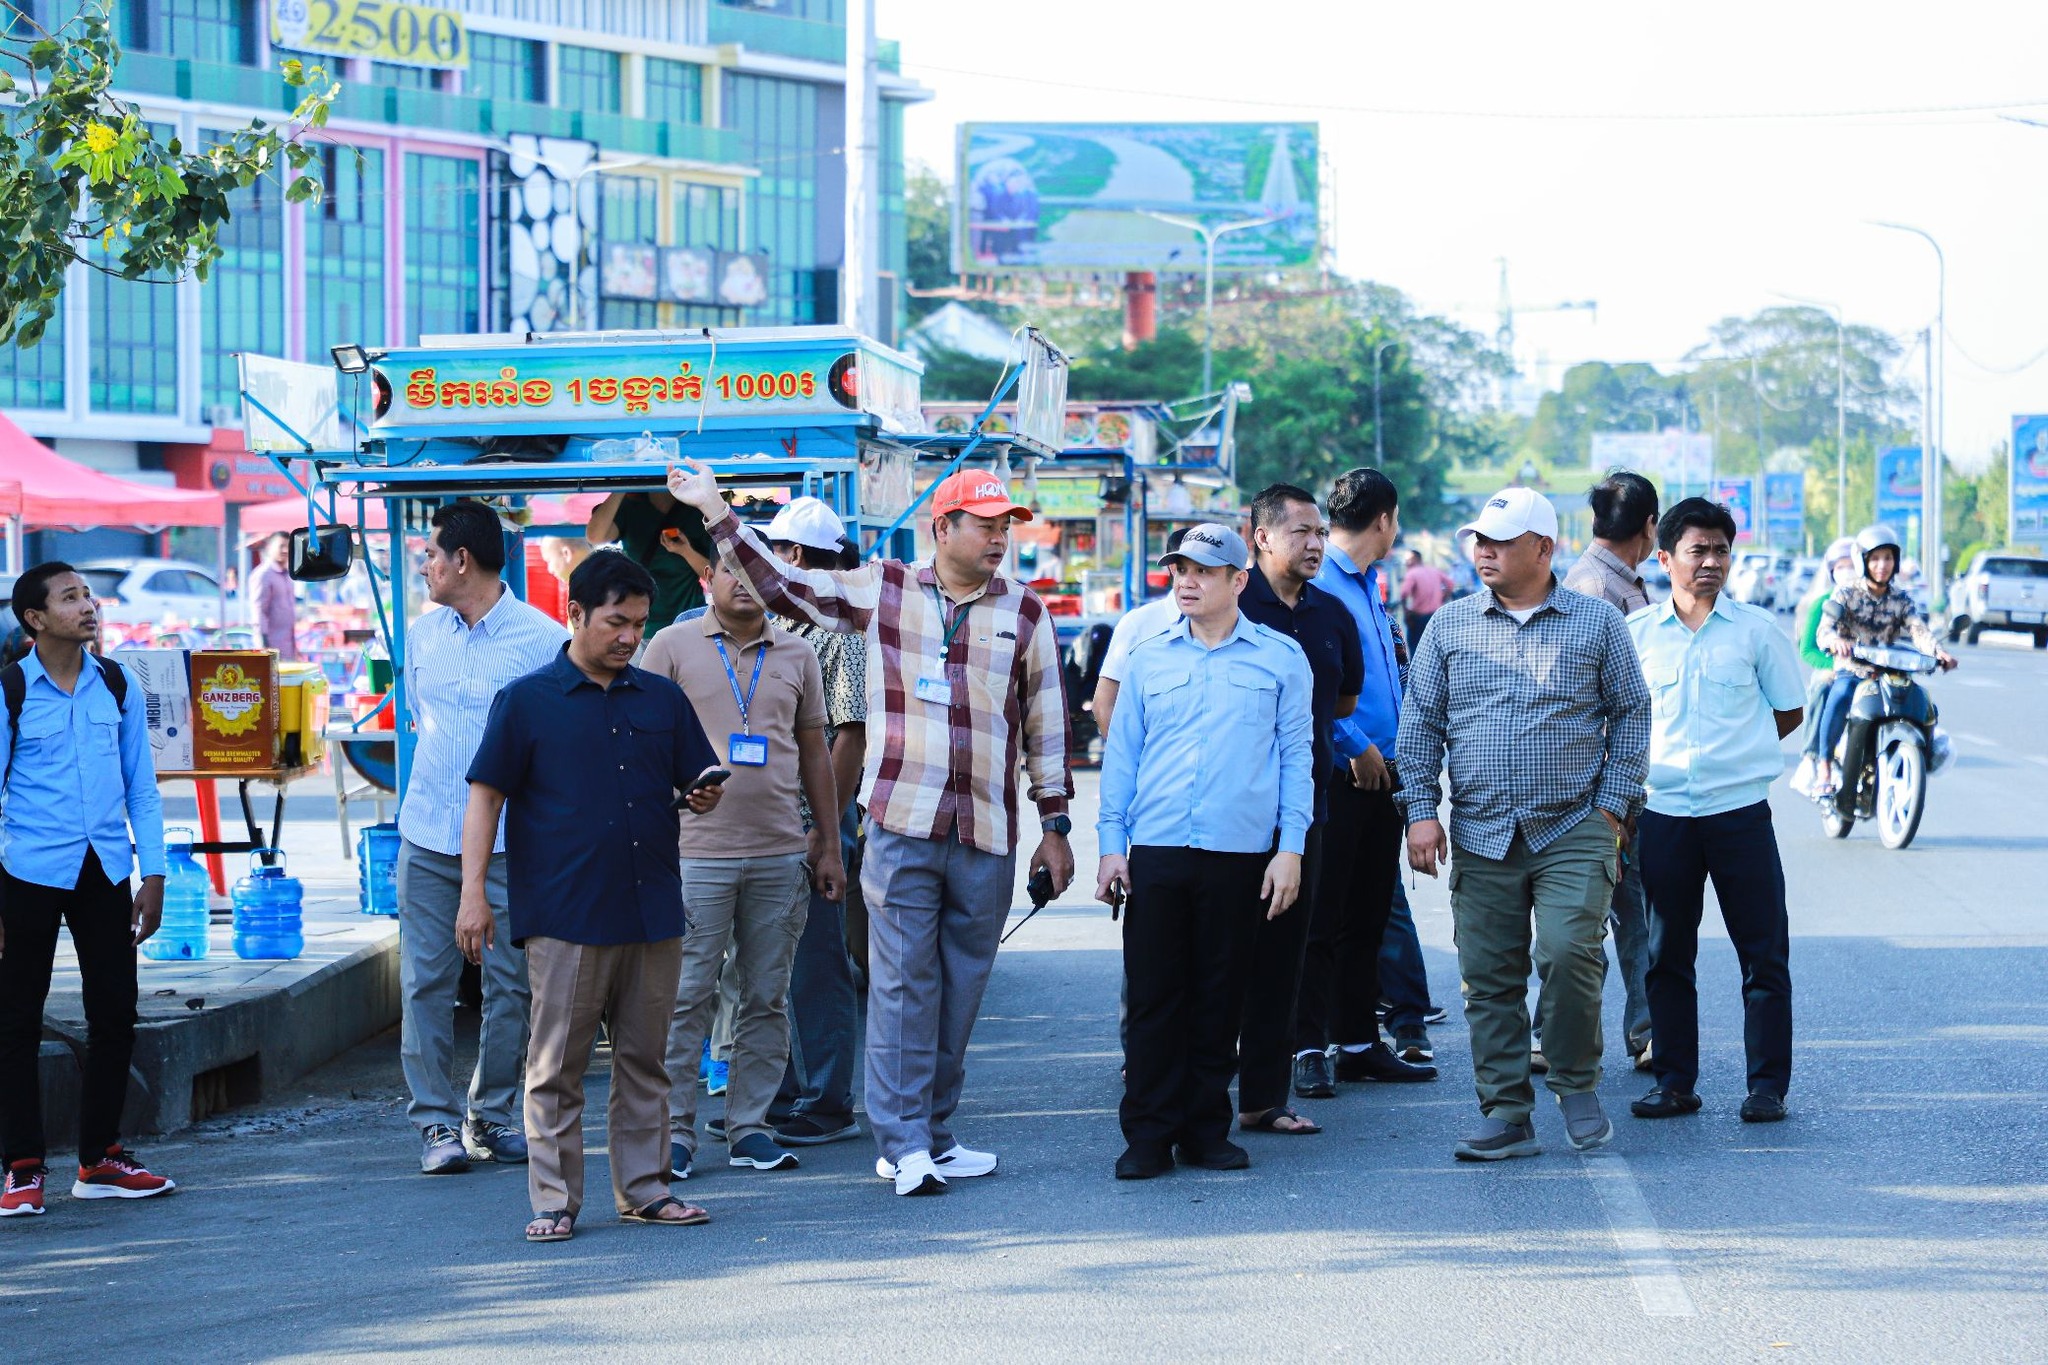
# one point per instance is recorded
(1837, 570)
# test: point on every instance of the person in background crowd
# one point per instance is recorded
(1837, 570)
(816, 1098)
(458, 657)
(1133, 628)
(1624, 535)
(582, 761)
(78, 778)
(1289, 535)
(1338, 1005)
(1725, 691)
(1534, 693)
(1424, 589)
(965, 673)
(1208, 790)
(747, 870)
(274, 599)
(663, 537)
(1404, 983)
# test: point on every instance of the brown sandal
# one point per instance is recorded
(651, 1214)
(1269, 1122)
(554, 1218)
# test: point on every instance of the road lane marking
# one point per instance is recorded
(1637, 1237)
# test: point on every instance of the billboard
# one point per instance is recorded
(1785, 511)
(1073, 196)
(2028, 481)
(1739, 497)
(1898, 502)
(1678, 462)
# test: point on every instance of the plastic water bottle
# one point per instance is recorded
(183, 935)
(377, 869)
(267, 910)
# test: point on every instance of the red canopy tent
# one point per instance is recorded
(40, 488)
(288, 514)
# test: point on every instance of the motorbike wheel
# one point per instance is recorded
(1836, 824)
(1901, 793)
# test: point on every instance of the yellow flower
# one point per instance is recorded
(100, 139)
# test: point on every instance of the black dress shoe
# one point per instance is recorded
(1312, 1077)
(1378, 1063)
(1215, 1156)
(1762, 1107)
(1665, 1104)
(1143, 1163)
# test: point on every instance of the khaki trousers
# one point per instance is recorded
(1565, 889)
(632, 986)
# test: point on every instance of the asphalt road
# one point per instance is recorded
(1898, 1215)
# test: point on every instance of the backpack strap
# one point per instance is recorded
(116, 679)
(14, 687)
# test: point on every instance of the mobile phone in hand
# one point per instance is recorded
(711, 777)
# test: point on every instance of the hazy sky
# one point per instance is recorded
(1608, 151)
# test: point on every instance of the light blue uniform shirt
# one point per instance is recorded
(1376, 720)
(453, 672)
(82, 774)
(1210, 748)
(1713, 737)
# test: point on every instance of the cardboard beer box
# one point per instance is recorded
(234, 710)
(161, 683)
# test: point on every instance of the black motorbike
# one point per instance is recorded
(1890, 747)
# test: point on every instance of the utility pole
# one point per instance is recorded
(1930, 479)
(1936, 456)
(1379, 443)
(858, 283)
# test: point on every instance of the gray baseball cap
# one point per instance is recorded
(1211, 543)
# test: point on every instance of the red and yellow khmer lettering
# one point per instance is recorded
(506, 391)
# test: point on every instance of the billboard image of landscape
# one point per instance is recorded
(1069, 196)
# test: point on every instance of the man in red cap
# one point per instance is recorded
(963, 685)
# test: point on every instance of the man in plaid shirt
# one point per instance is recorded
(964, 680)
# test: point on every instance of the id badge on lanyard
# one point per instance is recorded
(745, 749)
(938, 691)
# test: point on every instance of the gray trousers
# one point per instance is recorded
(935, 914)
(429, 969)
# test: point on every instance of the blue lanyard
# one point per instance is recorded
(744, 703)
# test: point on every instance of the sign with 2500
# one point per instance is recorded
(382, 30)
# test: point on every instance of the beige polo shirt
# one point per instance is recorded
(757, 817)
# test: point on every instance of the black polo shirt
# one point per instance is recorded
(590, 774)
(1323, 627)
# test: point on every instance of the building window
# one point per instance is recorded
(586, 78)
(203, 30)
(345, 257)
(706, 215)
(133, 332)
(631, 207)
(818, 11)
(443, 258)
(238, 302)
(675, 91)
(33, 377)
(405, 77)
(777, 124)
(502, 68)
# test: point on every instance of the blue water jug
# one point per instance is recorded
(377, 869)
(182, 938)
(267, 909)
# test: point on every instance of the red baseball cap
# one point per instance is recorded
(978, 493)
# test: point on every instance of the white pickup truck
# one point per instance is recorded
(2001, 591)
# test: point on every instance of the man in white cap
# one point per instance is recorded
(1535, 694)
(1208, 789)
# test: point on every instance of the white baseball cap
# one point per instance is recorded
(1512, 512)
(808, 522)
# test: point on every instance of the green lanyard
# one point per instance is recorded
(952, 627)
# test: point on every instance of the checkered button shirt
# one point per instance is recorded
(947, 768)
(1543, 721)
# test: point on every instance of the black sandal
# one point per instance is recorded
(652, 1214)
(555, 1218)
(1269, 1122)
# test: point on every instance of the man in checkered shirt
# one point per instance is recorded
(964, 684)
(1537, 697)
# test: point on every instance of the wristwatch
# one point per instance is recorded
(1056, 824)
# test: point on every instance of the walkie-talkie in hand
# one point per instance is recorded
(1039, 888)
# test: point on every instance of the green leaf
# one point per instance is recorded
(304, 189)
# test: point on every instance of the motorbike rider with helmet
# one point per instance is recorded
(1867, 612)
(1838, 569)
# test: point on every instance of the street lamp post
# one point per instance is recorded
(1841, 414)
(1209, 235)
(1379, 444)
(1936, 460)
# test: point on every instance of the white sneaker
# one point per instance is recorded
(958, 1162)
(1803, 775)
(915, 1174)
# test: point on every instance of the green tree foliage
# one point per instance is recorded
(79, 168)
(928, 218)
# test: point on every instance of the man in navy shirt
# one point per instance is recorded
(583, 759)
(1288, 539)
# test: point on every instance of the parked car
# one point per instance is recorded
(1759, 577)
(155, 591)
(1656, 582)
(2001, 592)
(1800, 582)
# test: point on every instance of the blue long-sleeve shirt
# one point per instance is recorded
(1376, 720)
(81, 776)
(1210, 748)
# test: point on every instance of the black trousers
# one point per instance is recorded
(1739, 851)
(1340, 974)
(1189, 929)
(97, 912)
(1265, 1044)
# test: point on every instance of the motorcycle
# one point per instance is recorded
(1890, 747)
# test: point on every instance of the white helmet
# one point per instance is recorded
(1871, 539)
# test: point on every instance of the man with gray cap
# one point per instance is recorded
(1535, 694)
(1207, 793)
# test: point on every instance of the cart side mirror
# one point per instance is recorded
(322, 553)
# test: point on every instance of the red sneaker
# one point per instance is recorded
(118, 1176)
(22, 1192)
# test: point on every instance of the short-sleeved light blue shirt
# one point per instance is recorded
(1713, 736)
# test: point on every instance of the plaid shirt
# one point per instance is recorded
(1600, 573)
(1544, 721)
(938, 769)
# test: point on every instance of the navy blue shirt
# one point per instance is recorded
(1323, 627)
(590, 776)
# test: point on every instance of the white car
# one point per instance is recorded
(156, 591)
(1758, 578)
